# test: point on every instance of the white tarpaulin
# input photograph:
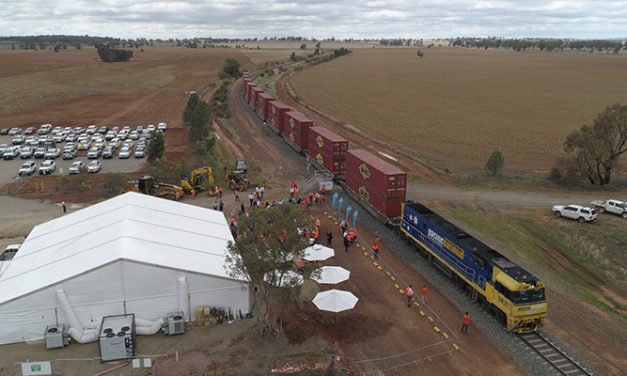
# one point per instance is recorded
(331, 275)
(335, 300)
(123, 255)
(318, 252)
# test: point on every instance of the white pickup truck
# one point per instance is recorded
(576, 212)
(611, 206)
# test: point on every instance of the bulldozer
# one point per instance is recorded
(237, 179)
(200, 179)
(147, 185)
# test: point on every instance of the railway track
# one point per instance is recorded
(554, 356)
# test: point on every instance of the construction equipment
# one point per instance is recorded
(147, 185)
(200, 179)
(237, 179)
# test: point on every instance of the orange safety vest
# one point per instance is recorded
(377, 240)
(467, 319)
(316, 234)
(424, 291)
(375, 247)
(409, 291)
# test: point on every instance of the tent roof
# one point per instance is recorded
(131, 226)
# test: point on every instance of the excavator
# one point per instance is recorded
(147, 185)
(237, 179)
(200, 179)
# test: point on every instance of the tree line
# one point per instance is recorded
(110, 55)
(541, 44)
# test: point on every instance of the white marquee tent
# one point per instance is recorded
(130, 254)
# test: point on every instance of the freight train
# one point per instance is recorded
(514, 295)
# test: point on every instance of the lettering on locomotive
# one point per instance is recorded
(446, 244)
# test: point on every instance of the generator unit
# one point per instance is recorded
(55, 339)
(175, 323)
(117, 337)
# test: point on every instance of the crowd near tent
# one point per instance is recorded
(132, 254)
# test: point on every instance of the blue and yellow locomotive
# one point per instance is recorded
(516, 296)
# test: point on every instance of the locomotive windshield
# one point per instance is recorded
(526, 297)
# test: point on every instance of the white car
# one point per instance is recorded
(125, 153)
(162, 127)
(47, 167)
(27, 168)
(75, 167)
(576, 212)
(94, 166)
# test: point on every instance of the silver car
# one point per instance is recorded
(76, 167)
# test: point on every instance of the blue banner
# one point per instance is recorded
(355, 213)
(340, 202)
(334, 200)
(348, 212)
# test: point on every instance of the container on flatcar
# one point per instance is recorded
(296, 129)
(249, 92)
(276, 118)
(376, 181)
(263, 102)
(328, 149)
(255, 91)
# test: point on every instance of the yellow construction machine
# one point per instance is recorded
(200, 179)
(237, 179)
(148, 185)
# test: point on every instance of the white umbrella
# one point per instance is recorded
(332, 274)
(289, 278)
(318, 252)
(335, 300)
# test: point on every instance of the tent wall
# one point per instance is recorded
(118, 288)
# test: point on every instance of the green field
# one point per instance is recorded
(454, 106)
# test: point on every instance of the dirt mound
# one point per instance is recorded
(348, 328)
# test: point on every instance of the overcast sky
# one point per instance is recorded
(315, 18)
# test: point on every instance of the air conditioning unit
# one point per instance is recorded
(54, 337)
(175, 323)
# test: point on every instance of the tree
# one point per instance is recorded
(267, 242)
(495, 162)
(303, 46)
(110, 55)
(199, 123)
(597, 148)
(232, 68)
(156, 146)
(192, 102)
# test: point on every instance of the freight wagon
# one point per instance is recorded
(263, 105)
(296, 130)
(277, 115)
(328, 150)
(254, 95)
(514, 295)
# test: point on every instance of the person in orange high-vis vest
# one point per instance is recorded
(465, 322)
(375, 249)
(410, 294)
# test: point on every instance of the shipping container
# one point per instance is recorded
(254, 96)
(296, 129)
(328, 149)
(249, 92)
(276, 119)
(246, 75)
(376, 181)
(263, 103)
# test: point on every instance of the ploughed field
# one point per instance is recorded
(455, 106)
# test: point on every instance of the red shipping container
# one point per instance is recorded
(249, 93)
(254, 95)
(247, 86)
(328, 149)
(246, 75)
(276, 118)
(296, 129)
(263, 102)
(376, 181)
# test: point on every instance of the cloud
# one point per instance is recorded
(316, 18)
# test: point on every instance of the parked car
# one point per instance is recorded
(79, 130)
(94, 152)
(39, 152)
(162, 127)
(29, 131)
(27, 169)
(47, 167)
(576, 212)
(94, 166)
(3, 148)
(125, 153)
(26, 152)
(76, 167)
(140, 152)
(4, 131)
(612, 206)
(18, 140)
(44, 129)
(91, 129)
(52, 153)
(15, 131)
(11, 152)
(103, 130)
(69, 154)
(31, 141)
(108, 152)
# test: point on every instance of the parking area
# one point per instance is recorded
(113, 149)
